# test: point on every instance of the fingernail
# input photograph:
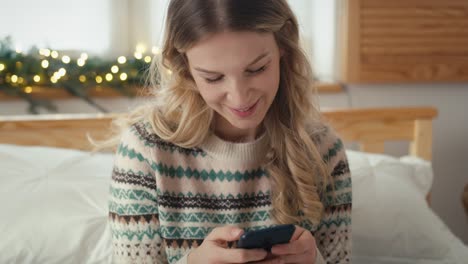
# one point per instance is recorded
(236, 232)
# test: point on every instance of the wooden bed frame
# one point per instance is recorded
(368, 127)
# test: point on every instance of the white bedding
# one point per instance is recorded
(55, 209)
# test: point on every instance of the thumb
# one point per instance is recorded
(225, 233)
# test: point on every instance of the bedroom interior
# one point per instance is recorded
(399, 104)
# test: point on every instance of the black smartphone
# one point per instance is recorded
(267, 237)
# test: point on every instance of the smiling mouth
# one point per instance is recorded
(245, 109)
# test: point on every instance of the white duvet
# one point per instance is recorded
(55, 209)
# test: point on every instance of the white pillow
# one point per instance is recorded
(391, 220)
(54, 205)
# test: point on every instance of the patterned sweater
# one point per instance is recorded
(165, 199)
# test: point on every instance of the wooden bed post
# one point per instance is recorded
(421, 146)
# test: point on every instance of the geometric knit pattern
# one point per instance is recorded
(165, 199)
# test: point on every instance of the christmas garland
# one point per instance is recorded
(49, 69)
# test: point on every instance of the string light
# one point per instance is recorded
(138, 55)
(82, 78)
(84, 56)
(66, 59)
(115, 69)
(20, 80)
(45, 64)
(156, 50)
(14, 78)
(81, 62)
(140, 48)
(54, 54)
(19, 64)
(37, 78)
(109, 77)
(2, 66)
(122, 60)
(123, 76)
(147, 59)
(44, 52)
(62, 72)
(28, 89)
(53, 79)
(98, 79)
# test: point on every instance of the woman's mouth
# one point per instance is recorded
(245, 111)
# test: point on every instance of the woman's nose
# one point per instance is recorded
(238, 93)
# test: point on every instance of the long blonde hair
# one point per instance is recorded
(179, 114)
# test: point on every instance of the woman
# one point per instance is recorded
(231, 143)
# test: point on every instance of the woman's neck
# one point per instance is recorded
(224, 130)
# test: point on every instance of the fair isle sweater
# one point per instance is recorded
(165, 199)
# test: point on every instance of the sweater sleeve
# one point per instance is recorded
(133, 205)
(333, 234)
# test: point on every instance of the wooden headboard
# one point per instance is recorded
(369, 127)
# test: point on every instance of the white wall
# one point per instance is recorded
(450, 153)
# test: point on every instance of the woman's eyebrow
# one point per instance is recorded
(261, 56)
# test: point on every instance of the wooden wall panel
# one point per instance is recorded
(387, 41)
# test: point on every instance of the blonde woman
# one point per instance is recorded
(233, 142)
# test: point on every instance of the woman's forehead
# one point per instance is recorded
(226, 47)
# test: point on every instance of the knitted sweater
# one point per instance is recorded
(165, 199)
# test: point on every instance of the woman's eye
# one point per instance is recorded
(257, 70)
(213, 80)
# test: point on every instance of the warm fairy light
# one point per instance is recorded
(81, 62)
(66, 59)
(20, 80)
(147, 59)
(54, 54)
(62, 72)
(84, 56)
(156, 50)
(14, 78)
(98, 79)
(115, 69)
(45, 64)
(169, 72)
(138, 55)
(44, 52)
(37, 78)
(28, 89)
(53, 79)
(140, 48)
(19, 64)
(122, 59)
(2, 66)
(82, 78)
(109, 77)
(123, 76)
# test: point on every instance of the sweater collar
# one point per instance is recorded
(220, 149)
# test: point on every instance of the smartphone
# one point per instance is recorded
(267, 237)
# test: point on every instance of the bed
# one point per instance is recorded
(54, 191)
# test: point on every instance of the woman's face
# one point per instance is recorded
(237, 74)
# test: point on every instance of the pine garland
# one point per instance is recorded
(49, 69)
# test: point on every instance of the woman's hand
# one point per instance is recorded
(214, 248)
(300, 249)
